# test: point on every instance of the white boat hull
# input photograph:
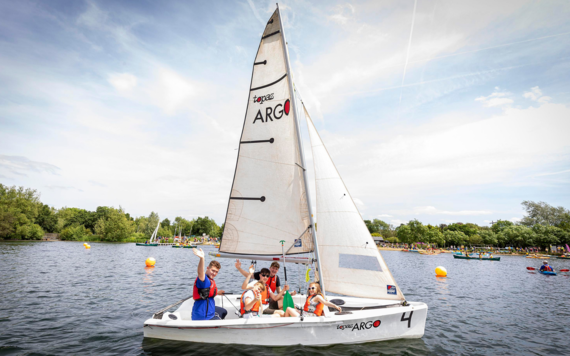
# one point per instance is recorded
(370, 325)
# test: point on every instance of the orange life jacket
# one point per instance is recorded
(547, 268)
(318, 309)
(272, 283)
(205, 293)
(255, 307)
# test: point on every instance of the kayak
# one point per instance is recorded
(563, 258)
(477, 258)
(548, 273)
(138, 244)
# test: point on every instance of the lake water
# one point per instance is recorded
(59, 298)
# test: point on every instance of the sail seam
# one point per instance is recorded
(269, 35)
(270, 84)
(266, 160)
(257, 222)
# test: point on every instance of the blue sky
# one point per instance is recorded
(437, 110)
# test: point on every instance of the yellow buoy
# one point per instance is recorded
(87, 247)
(150, 262)
(440, 271)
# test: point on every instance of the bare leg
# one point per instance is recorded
(291, 312)
(278, 314)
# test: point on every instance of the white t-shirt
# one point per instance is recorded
(250, 294)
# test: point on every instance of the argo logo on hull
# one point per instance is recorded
(275, 112)
(360, 326)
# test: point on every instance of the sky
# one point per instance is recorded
(441, 111)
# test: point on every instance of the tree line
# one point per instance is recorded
(543, 225)
(24, 217)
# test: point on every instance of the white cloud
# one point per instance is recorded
(123, 81)
(498, 98)
(430, 210)
(384, 216)
(171, 91)
(515, 220)
(397, 222)
(535, 94)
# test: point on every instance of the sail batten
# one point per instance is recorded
(268, 200)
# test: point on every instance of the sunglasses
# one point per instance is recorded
(264, 275)
(312, 288)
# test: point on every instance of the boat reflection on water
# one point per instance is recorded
(159, 347)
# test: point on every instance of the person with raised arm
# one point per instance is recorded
(205, 290)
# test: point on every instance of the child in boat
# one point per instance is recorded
(271, 302)
(314, 304)
(251, 301)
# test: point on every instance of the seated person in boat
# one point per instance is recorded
(314, 304)
(250, 303)
(273, 282)
(546, 267)
(272, 303)
(205, 290)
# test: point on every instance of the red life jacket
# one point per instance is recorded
(547, 268)
(255, 307)
(272, 283)
(205, 293)
(318, 309)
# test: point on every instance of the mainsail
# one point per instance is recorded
(268, 201)
(350, 262)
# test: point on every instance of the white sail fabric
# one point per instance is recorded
(350, 261)
(268, 201)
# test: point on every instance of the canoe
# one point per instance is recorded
(138, 244)
(477, 258)
(190, 246)
(174, 246)
(563, 258)
(548, 273)
(539, 257)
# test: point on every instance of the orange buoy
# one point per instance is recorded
(150, 262)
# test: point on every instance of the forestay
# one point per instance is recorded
(268, 200)
(350, 262)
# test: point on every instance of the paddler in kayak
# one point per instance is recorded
(546, 267)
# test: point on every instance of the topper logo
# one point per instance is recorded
(261, 99)
(276, 111)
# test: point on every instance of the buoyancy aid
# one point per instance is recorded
(205, 293)
(254, 309)
(272, 283)
(313, 307)
(547, 268)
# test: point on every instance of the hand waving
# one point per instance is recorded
(198, 252)
(238, 264)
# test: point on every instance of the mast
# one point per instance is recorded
(302, 152)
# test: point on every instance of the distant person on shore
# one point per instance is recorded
(546, 267)
(205, 290)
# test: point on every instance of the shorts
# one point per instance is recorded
(271, 308)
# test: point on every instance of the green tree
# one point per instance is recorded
(165, 223)
(468, 229)
(47, 218)
(489, 237)
(456, 238)
(543, 214)
(115, 227)
(518, 236)
(500, 225)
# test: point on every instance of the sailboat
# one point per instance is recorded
(152, 241)
(268, 204)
